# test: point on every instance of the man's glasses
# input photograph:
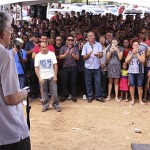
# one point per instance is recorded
(71, 40)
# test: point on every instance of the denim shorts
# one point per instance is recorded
(136, 79)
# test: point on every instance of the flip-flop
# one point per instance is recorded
(108, 98)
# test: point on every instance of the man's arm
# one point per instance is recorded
(9, 81)
(27, 49)
(128, 58)
(63, 55)
(38, 75)
(55, 71)
(76, 54)
(33, 55)
(15, 99)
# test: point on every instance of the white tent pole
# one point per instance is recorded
(21, 11)
(3, 7)
(48, 7)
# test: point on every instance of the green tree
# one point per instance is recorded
(76, 1)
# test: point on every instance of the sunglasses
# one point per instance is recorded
(70, 39)
(80, 40)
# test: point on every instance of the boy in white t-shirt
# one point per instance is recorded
(46, 70)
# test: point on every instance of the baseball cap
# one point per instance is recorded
(36, 34)
(79, 37)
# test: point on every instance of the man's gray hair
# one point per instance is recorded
(5, 20)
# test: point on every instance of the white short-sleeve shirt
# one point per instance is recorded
(45, 63)
(13, 126)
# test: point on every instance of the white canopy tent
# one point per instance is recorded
(145, 3)
(24, 2)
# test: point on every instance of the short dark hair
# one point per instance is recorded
(44, 34)
(135, 41)
(63, 30)
(70, 36)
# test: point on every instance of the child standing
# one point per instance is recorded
(124, 87)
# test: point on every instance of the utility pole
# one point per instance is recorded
(87, 2)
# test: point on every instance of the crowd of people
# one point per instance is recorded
(73, 54)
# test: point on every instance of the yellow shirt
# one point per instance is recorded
(124, 72)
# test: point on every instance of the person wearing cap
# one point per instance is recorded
(34, 83)
(20, 59)
(80, 43)
(43, 38)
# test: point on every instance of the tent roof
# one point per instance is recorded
(24, 2)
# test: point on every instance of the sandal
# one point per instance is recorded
(126, 100)
(108, 98)
(118, 100)
(132, 102)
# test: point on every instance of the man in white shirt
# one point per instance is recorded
(14, 133)
(46, 70)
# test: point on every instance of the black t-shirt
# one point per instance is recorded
(29, 46)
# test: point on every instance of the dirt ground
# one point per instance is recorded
(94, 126)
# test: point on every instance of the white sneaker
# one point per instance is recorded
(69, 97)
(84, 97)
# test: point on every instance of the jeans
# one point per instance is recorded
(81, 82)
(104, 83)
(136, 79)
(21, 145)
(69, 75)
(91, 74)
(49, 84)
(21, 80)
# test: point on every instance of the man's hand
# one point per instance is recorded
(90, 52)
(55, 79)
(41, 81)
(67, 52)
(97, 55)
(24, 92)
(71, 52)
(102, 66)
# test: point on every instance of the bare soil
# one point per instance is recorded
(94, 126)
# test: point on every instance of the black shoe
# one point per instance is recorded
(89, 100)
(104, 96)
(57, 109)
(100, 99)
(74, 99)
(62, 99)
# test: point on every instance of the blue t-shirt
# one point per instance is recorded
(17, 61)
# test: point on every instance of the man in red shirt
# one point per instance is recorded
(43, 38)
